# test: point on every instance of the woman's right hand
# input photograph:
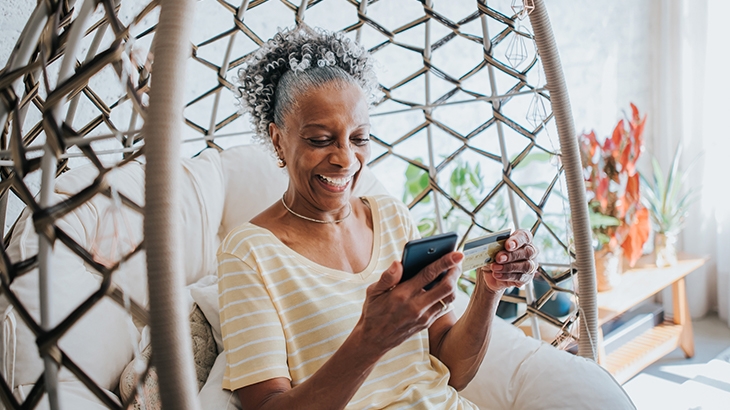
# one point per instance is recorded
(393, 312)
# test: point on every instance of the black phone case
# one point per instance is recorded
(420, 253)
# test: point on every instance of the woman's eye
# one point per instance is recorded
(360, 141)
(319, 142)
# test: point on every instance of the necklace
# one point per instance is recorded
(336, 221)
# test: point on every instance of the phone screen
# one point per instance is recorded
(420, 253)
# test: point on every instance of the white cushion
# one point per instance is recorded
(102, 342)
(203, 195)
(71, 395)
(205, 295)
(252, 183)
(212, 395)
(519, 372)
(105, 327)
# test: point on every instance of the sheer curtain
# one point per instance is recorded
(692, 106)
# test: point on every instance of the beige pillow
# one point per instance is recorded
(204, 355)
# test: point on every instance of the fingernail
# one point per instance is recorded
(458, 257)
(496, 267)
(498, 275)
(511, 244)
(502, 258)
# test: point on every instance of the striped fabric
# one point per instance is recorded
(283, 315)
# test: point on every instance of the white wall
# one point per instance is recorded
(605, 49)
(13, 15)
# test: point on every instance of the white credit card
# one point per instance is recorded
(481, 251)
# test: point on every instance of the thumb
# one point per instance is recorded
(389, 278)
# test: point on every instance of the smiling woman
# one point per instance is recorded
(309, 289)
(325, 144)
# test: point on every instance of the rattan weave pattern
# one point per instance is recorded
(448, 95)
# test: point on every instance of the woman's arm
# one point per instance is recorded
(461, 345)
(331, 387)
(391, 314)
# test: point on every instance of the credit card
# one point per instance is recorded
(481, 251)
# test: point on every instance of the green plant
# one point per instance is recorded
(465, 186)
(667, 199)
(617, 216)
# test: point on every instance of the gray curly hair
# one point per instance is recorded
(294, 61)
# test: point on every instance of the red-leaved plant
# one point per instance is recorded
(617, 216)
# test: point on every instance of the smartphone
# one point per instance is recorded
(420, 253)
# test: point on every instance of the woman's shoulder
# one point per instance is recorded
(243, 238)
(388, 205)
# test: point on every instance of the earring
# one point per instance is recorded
(280, 162)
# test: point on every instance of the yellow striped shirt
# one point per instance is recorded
(283, 315)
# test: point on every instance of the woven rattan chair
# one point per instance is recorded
(78, 87)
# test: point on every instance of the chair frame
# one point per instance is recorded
(164, 119)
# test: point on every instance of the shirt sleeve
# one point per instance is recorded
(253, 338)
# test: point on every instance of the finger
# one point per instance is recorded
(388, 279)
(444, 288)
(521, 278)
(432, 271)
(518, 239)
(484, 269)
(437, 310)
(524, 266)
(528, 251)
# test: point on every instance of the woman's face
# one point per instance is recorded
(325, 141)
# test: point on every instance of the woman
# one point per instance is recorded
(312, 312)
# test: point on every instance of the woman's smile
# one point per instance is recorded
(335, 184)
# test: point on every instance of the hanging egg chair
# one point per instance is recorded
(471, 127)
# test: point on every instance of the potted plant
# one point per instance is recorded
(668, 203)
(465, 185)
(619, 221)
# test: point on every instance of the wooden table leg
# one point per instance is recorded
(601, 354)
(682, 317)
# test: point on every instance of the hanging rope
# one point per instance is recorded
(574, 177)
(170, 328)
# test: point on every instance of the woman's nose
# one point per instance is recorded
(343, 156)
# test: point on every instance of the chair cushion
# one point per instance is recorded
(105, 327)
(102, 342)
(252, 183)
(71, 395)
(203, 199)
(520, 372)
(212, 395)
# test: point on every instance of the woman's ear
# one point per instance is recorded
(275, 134)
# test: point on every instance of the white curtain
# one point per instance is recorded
(692, 106)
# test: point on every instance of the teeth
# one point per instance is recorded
(336, 181)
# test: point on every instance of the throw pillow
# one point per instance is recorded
(204, 355)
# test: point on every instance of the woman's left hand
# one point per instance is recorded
(515, 265)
